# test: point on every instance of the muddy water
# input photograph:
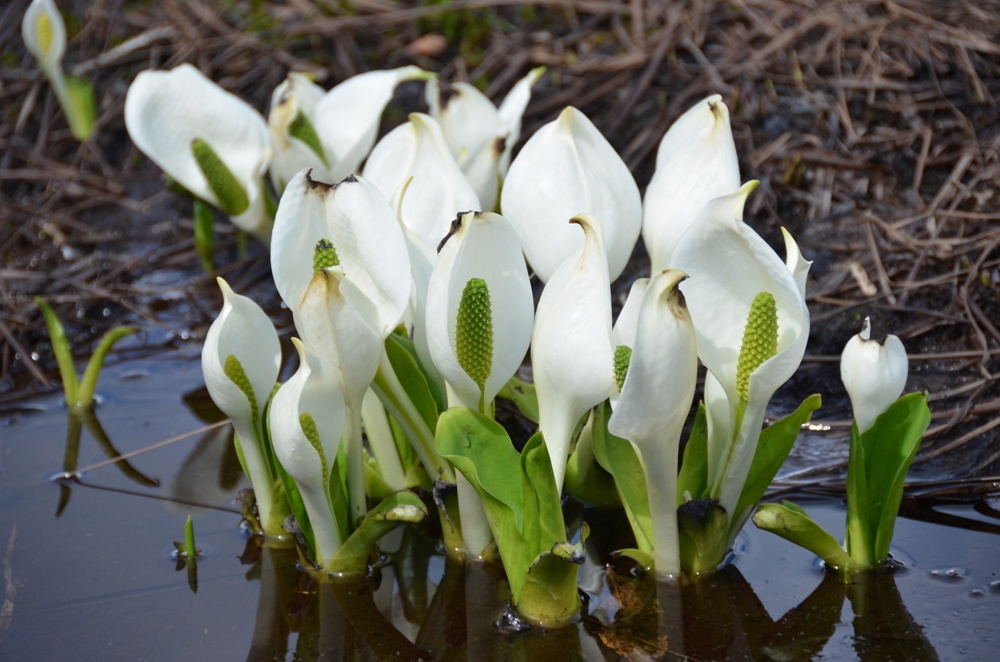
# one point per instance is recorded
(87, 573)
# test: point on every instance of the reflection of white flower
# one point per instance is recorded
(240, 362)
(480, 135)
(568, 168)
(655, 399)
(439, 190)
(211, 142)
(479, 309)
(330, 132)
(306, 419)
(572, 359)
(695, 163)
(873, 373)
(752, 324)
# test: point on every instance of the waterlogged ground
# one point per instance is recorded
(87, 573)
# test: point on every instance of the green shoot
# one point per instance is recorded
(79, 392)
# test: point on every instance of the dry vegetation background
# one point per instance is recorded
(872, 126)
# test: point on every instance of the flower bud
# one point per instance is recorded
(874, 374)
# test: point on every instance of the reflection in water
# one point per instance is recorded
(401, 614)
(210, 475)
(74, 429)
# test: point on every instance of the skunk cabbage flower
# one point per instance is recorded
(240, 362)
(751, 322)
(330, 132)
(306, 419)
(623, 332)
(480, 135)
(568, 168)
(873, 373)
(656, 393)
(439, 190)
(363, 235)
(695, 163)
(571, 354)
(211, 142)
(44, 35)
(479, 309)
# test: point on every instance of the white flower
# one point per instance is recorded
(695, 163)
(211, 142)
(655, 399)
(568, 168)
(874, 374)
(571, 354)
(44, 35)
(306, 419)
(240, 362)
(359, 224)
(479, 309)
(439, 191)
(752, 325)
(330, 132)
(480, 135)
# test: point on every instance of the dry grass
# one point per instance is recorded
(872, 125)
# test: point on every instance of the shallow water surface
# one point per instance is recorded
(87, 572)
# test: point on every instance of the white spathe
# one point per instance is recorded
(483, 246)
(571, 354)
(480, 135)
(165, 111)
(655, 401)
(729, 265)
(44, 34)
(695, 163)
(346, 121)
(244, 331)
(359, 222)
(874, 374)
(568, 168)
(311, 391)
(439, 190)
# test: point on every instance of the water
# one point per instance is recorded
(97, 582)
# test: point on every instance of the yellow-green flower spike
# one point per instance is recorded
(43, 28)
(303, 129)
(325, 255)
(760, 340)
(311, 432)
(623, 356)
(232, 198)
(474, 332)
(234, 370)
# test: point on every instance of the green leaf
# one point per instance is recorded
(701, 531)
(81, 113)
(375, 485)
(522, 394)
(537, 467)
(793, 524)
(775, 444)
(693, 477)
(189, 549)
(60, 347)
(644, 559)
(482, 451)
(295, 503)
(549, 597)
(397, 508)
(889, 448)
(585, 478)
(411, 377)
(338, 494)
(618, 457)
